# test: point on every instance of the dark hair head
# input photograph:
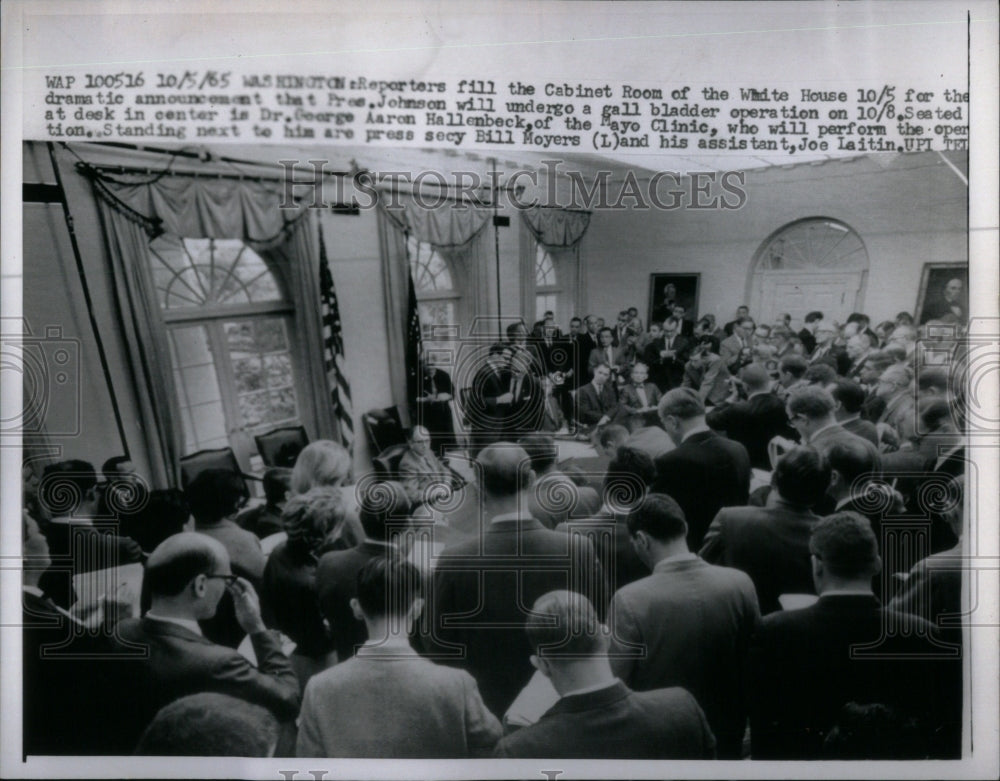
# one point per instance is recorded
(497, 348)
(660, 517)
(846, 545)
(812, 401)
(164, 514)
(110, 467)
(683, 403)
(795, 365)
(904, 318)
(851, 460)
(820, 374)
(210, 725)
(813, 316)
(65, 485)
(633, 462)
(514, 329)
(707, 343)
(575, 320)
(801, 476)
(383, 508)
(612, 435)
(860, 318)
(215, 494)
(387, 586)
(277, 481)
(563, 624)
(541, 450)
(933, 412)
(178, 560)
(850, 395)
(933, 379)
(755, 377)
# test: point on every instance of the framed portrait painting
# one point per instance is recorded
(667, 291)
(944, 294)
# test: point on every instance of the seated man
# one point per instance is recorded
(420, 469)
(186, 577)
(639, 398)
(210, 725)
(597, 716)
(387, 701)
(805, 665)
(597, 401)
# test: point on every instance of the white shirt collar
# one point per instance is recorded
(841, 592)
(692, 432)
(595, 688)
(842, 502)
(187, 623)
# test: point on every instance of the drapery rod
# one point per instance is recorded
(124, 169)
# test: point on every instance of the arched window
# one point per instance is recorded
(816, 264)
(229, 325)
(436, 289)
(547, 289)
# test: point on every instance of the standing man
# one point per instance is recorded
(705, 472)
(669, 355)
(706, 373)
(807, 334)
(687, 624)
(489, 396)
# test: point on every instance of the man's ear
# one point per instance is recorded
(198, 585)
(835, 478)
(356, 609)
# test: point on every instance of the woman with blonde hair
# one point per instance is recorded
(324, 463)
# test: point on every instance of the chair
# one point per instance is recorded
(384, 428)
(218, 458)
(281, 446)
(386, 463)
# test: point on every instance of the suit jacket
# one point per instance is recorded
(336, 587)
(703, 474)
(730, 350)
(611, 541)
(484, 586)
(630, 403)
(583, 345)
(393, 704)
(616, 723)
(599, 355)
(753, 423)
(933, 588)
(802, 670)
(667, 372)
(181, 662)
(552, 415)
(689, 624)
(289, 600)
(862, 428)
(901, 414)
(834, 356)
(524, 413)
(591, 407)
(484, 413)
(770, 544)
(808, 341)
(711, 380)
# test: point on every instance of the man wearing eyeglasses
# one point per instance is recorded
(186, 577)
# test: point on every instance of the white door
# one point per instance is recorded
(801, 292)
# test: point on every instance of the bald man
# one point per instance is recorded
(186, 577)
(484, 587)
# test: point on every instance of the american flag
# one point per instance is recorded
(414, 347)
(333, 348)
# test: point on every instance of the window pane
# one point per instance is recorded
(435, 313)
(261, 359)
(190, 273)
(430, 271)
(545, 272)
(545, 302)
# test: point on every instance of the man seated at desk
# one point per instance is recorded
(419, 468)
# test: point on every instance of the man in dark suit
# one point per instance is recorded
(336, 574)
(771, 544)
(705, 471)
(828, 351)
(482, 586)
(489, 396)
(849, 397)
(687, 624)
(805, 665)
(185, 577)
(667, 355)
(527, 398)
(584, 340)
(807, 334)
(754, 422)
(811, 413)
(597, 716)
(597, 402)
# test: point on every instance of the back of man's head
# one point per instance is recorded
(541, 450)
(935, 412)
(505, 469)
(755, 377)
(880, 360)
(565, 624)
(215, 494)
(383, 508)
(179, 559)
(811, 401)
(932, 381)
(660, 517)
(850, 395)
(210, 725)
(110, 467)
(851, 460)
(801, 476)
(845, 544)
(812, 317)
(66, 485)
(682, 403)
(795, 365)
(387, 586)
(820, 374)
(900, 376)
(612, 436)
